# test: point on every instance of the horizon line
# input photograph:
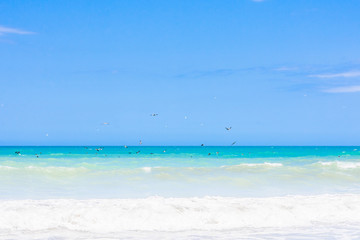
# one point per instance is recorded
(179, 145)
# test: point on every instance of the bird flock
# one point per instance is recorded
(98, 149)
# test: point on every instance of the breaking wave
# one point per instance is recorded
(178, 214)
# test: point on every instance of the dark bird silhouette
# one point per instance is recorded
(233, 143)
(228, 128)
(154, 114)
(202, 145)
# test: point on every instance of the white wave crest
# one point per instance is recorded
(147, 169)
(267, 164)
(253, 165)
(342, 165)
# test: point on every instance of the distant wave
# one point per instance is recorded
(92, 168)
(265, 164)
(246, 179)
(146, 169)
(343, 165)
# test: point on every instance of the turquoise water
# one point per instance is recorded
(119, 172)
(98, 192)
(134, 157)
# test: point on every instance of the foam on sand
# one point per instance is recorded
(178, 214)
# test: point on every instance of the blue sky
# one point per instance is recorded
(277, 72)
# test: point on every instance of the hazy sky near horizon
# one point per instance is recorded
(277, 72)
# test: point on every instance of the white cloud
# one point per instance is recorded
(335, 75)
(348, 89)
(6, 30)
(283, 69)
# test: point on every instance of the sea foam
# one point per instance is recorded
(178, 214)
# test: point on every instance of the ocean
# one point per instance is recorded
(141, 192)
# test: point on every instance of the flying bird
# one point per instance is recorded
(154, 114)
(228, 128)
(233, 143)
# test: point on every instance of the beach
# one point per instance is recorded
(179, 192)
(194, 120)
